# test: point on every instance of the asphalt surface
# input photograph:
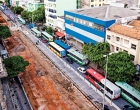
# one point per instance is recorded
(71, 71)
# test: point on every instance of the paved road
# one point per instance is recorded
(5, 87)
(79, 80)
(83, 84)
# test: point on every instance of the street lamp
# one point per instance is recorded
(106, 75)
(105, 79)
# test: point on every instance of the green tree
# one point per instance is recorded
(25, 14)
(95, 53)
(39, 15)
(120, 67)
(18, 10)
(4, 32)
(49, 30)
(14, 65)
(137, 85)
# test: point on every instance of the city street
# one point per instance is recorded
(70, 70)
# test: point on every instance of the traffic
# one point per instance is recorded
(113, 91)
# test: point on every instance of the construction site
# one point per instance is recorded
(46, 89)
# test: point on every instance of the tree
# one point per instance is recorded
(4, 32)
(25, 14)
(95, 53)
(18, 10)
(137, 85)
(120, 67)
(49, 30)
(39, 15)
(14, 65)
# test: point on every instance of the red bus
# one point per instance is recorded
(99, 81)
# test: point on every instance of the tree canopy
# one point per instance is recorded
(14, 65)
(4, 32)
(120, 67)
(95, 53)
(17, 10)
(39, 14)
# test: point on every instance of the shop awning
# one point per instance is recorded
(59, 34)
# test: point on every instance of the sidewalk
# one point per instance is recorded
(79, 81)
(2, 98)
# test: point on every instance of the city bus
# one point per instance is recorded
(2, 8)
(78, 57)
(112, 91)
(46, 36)
(129, 93)
(57, 49)
(35, 32)
(62, 44)
(20, 20)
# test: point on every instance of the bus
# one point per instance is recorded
(111, 90)
(35, 32)
(20, 20)
(2, 8)
(76, 56)
(129, 93)
(57, 49)
(46, 36)
(61, 44)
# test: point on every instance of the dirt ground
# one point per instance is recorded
(45, 88)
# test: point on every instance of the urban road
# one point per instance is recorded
(85, 86)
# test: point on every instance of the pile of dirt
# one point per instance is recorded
(45, 88)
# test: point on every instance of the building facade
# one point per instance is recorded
(125, 38)
(54, 8)
(31, 6)
(89, 25)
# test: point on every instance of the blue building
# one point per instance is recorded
(89, 25)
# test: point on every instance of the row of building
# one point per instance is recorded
(85, 21)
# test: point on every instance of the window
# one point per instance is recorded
(125, 51)
(126, 42)
(92, 0)
(117, 48)
(117, 39)
(133, 46)
(108, 37)
(99, 4)
(133, 57)
(92, 5)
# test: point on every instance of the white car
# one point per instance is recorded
(81, 69)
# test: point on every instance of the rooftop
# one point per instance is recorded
(131, 30)
(106, 12)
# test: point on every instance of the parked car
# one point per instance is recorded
(106, 107)
(81, 69)
(69, 60)
(128, 107)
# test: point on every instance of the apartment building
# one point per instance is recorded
(94, 3)
(129, 3)
(33, 5)
(89, 25)
(125, 38)
(55, 8)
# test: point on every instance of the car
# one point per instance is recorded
(69, 60)
(128, 107)
(106, 107)
(81, 69)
